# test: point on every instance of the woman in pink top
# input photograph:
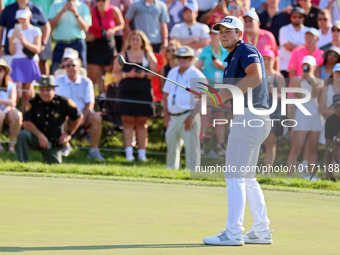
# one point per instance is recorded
(101, 48)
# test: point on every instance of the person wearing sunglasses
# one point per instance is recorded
(79, 89)
(8, 113)
(170, 61)
(216, 14)
(325, 28)
(333, 6)
(335, 36)
(235, 8)
(182, 110)
(331, 57)
(311, 12)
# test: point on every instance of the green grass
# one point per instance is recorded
(69, 216)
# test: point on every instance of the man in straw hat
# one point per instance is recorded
(43, 123)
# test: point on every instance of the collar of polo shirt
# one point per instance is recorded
(68, 80)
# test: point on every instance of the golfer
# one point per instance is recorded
(245, 64)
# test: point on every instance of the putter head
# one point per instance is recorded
(121, 60)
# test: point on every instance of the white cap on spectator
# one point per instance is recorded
(230, 22)
(309, 60)
(25, 14)
(252, 14)
(192, 6)
(313, 31)
(336, 67)
(70, 53)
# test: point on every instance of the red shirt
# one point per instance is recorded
(265, 41)
(107, 21)
(215, 18)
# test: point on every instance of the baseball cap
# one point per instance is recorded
(297, 9)
(336, 24)
(336, 67)
(192, 6)
(185, 51)
(313, 31)
(309, 60)
(230, 22)
(23, 14)
(268, 53)
(336, 99)
(70, 53)
(252, 14)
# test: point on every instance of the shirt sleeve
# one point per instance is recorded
(28, 114)
(165, 14)
(39, 15)
(319, 59)
(89, 97)
(283, 39)
(204, 54)
(167, 84)
(205, 31)
(3, 18)
(323, 4)
(10, 33)
(131, 12)
(72, 110)
(249, 56)
(85, 13)
(175, 31)
(53, 11)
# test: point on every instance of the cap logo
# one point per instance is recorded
(182, 50)
(228, 20)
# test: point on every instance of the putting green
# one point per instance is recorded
(73, 216)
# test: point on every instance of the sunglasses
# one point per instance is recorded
(170, 50)
(186, 57)
(322, 19)
(335, 29)
(100, 0)
(299, 17)
(334, 54)
(2, 69)
(233, 8)
(70, 65)
(190, 32)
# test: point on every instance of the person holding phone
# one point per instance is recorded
(308, 126)
(24, 45)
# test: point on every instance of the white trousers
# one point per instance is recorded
(176, 134)
(243, 149)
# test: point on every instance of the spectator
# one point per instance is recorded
(46, 43)
(191, 32)
(274, 80)
(272, 19)
(8, 113)
(259, 5)
(295, 63)
(332, 129)
(332, 6)
(8, 20)
(235, 8)
(80, 89)
(43, 123)
(70, 20)
(311, 12)
(4, 3)
(325, 28)
(205, 6)
(308, 126)
(331, 57)
(290, 37)
(335, 36)
(211, 63)
(260, 38)
(332, 87)
(24, 44)
(170, 61)
(151, 17)
(181, 112)
(101, 48)
(215, 15)
(69, 53)
(135, 85)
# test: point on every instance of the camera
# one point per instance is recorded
(306, 69)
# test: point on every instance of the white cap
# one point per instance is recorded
(313, 31)
(309, 60)
(252, 14)
(23, 14)
(336, 67)
(70, 53)
(230, 22)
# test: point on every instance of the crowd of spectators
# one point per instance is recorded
(87, 35)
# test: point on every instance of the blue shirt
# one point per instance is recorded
(7, 18)
(238, 60)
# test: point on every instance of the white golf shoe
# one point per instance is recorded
(256, 237)
(225, 237)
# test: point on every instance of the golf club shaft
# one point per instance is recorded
(148, 70)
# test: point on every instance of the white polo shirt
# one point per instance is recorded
(81, 91)
(288, 33)
(180, 100)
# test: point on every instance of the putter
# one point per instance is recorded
(122, 62)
